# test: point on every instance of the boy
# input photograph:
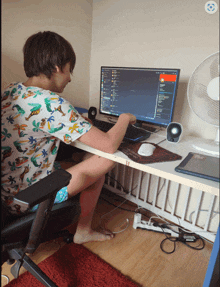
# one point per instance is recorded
(34, 121)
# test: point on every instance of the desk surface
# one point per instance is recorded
(163, 169)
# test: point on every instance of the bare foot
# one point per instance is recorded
(85, 236)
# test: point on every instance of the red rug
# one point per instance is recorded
(74, 265)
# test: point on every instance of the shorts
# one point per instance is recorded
(62, 195)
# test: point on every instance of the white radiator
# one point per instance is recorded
(192, 209)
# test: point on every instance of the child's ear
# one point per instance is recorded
(57, 69)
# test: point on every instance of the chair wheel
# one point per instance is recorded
(68, 239)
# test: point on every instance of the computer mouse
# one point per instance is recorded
(146, 149)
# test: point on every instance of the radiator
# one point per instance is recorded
(192, 209)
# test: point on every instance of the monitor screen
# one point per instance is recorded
(147, 93)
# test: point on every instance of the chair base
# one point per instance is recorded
(23, 260)
(29, 265)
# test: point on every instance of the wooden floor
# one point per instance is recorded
(137, 253)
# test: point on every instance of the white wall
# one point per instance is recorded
(70, 18)
(154, 33)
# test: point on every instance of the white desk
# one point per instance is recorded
(165, 169)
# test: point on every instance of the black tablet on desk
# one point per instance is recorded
(200, 165)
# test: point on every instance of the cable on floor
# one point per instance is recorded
(127, 220)
(184, 238)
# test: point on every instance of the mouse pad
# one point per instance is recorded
(160, 154)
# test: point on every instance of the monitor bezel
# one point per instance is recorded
(140, 122)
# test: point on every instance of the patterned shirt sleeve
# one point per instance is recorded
(56, 116)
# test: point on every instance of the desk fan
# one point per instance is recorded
(203, 98)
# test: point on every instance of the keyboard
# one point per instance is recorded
(132, 134)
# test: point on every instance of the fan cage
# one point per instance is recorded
(201, 104)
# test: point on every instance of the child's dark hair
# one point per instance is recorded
(44, 51)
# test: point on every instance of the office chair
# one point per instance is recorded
(23, 234)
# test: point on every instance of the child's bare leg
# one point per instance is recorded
(88, 201)
(88, 178)
(87, 172)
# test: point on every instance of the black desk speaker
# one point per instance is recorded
(174, 132)
(92, 113)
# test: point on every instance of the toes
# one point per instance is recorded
(108, 237)
(93, 236)
(107, 232)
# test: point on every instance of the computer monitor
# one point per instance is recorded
(147, 93)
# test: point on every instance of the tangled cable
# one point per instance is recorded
(183, 238)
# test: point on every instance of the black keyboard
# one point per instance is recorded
(132, 134)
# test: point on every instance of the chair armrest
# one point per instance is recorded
(43, 189)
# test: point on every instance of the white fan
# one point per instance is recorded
(203, 97)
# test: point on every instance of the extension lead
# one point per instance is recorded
(156, 227)
(176, 235)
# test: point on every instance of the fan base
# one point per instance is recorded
(207, 146)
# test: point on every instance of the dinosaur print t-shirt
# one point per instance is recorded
(34, 121)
